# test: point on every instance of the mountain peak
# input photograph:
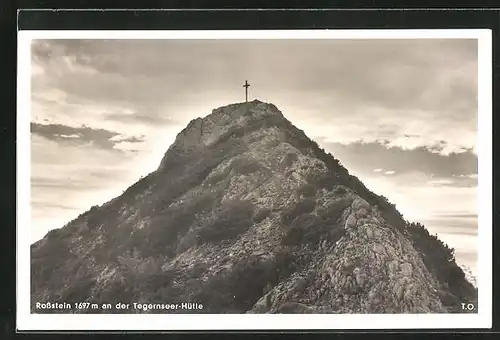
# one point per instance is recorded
(202, 132)
(246, 214)
(255, 105)
(240, 113)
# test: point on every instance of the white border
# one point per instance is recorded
(483, 319)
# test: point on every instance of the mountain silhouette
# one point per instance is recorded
(246, 214)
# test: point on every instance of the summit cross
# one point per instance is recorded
(246, 90)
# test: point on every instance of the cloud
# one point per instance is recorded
(134, 118)
(81, 135)
(453, 223)
(68, 178)
(121, 138)
(70, 136)
(453, 227)
(52, 205)
(412, 92)
(455, 168)
(68, 184)
(122, 77)
(457, 215)
(456, 181)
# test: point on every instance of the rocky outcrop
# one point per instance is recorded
(369, 269)
(245, 214)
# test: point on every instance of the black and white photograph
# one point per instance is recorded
(319, 176)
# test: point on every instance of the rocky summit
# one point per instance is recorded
(246, 214)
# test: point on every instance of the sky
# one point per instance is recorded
(399, 114)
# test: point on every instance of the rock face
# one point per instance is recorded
(245, 214)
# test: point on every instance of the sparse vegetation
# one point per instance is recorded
(290, 158)
(141, 185)
(241, 286)
(216, 178)
(435, 252)
(304, 206)
(340, 190)
(99, 216)
(242, 165)
(233, 219)
(80, 291)
(245, 166)
(273, 143)
(439, 259)
(192, 169)
(311, 229)
(333, 210)
(307, 190)
(261, 214)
